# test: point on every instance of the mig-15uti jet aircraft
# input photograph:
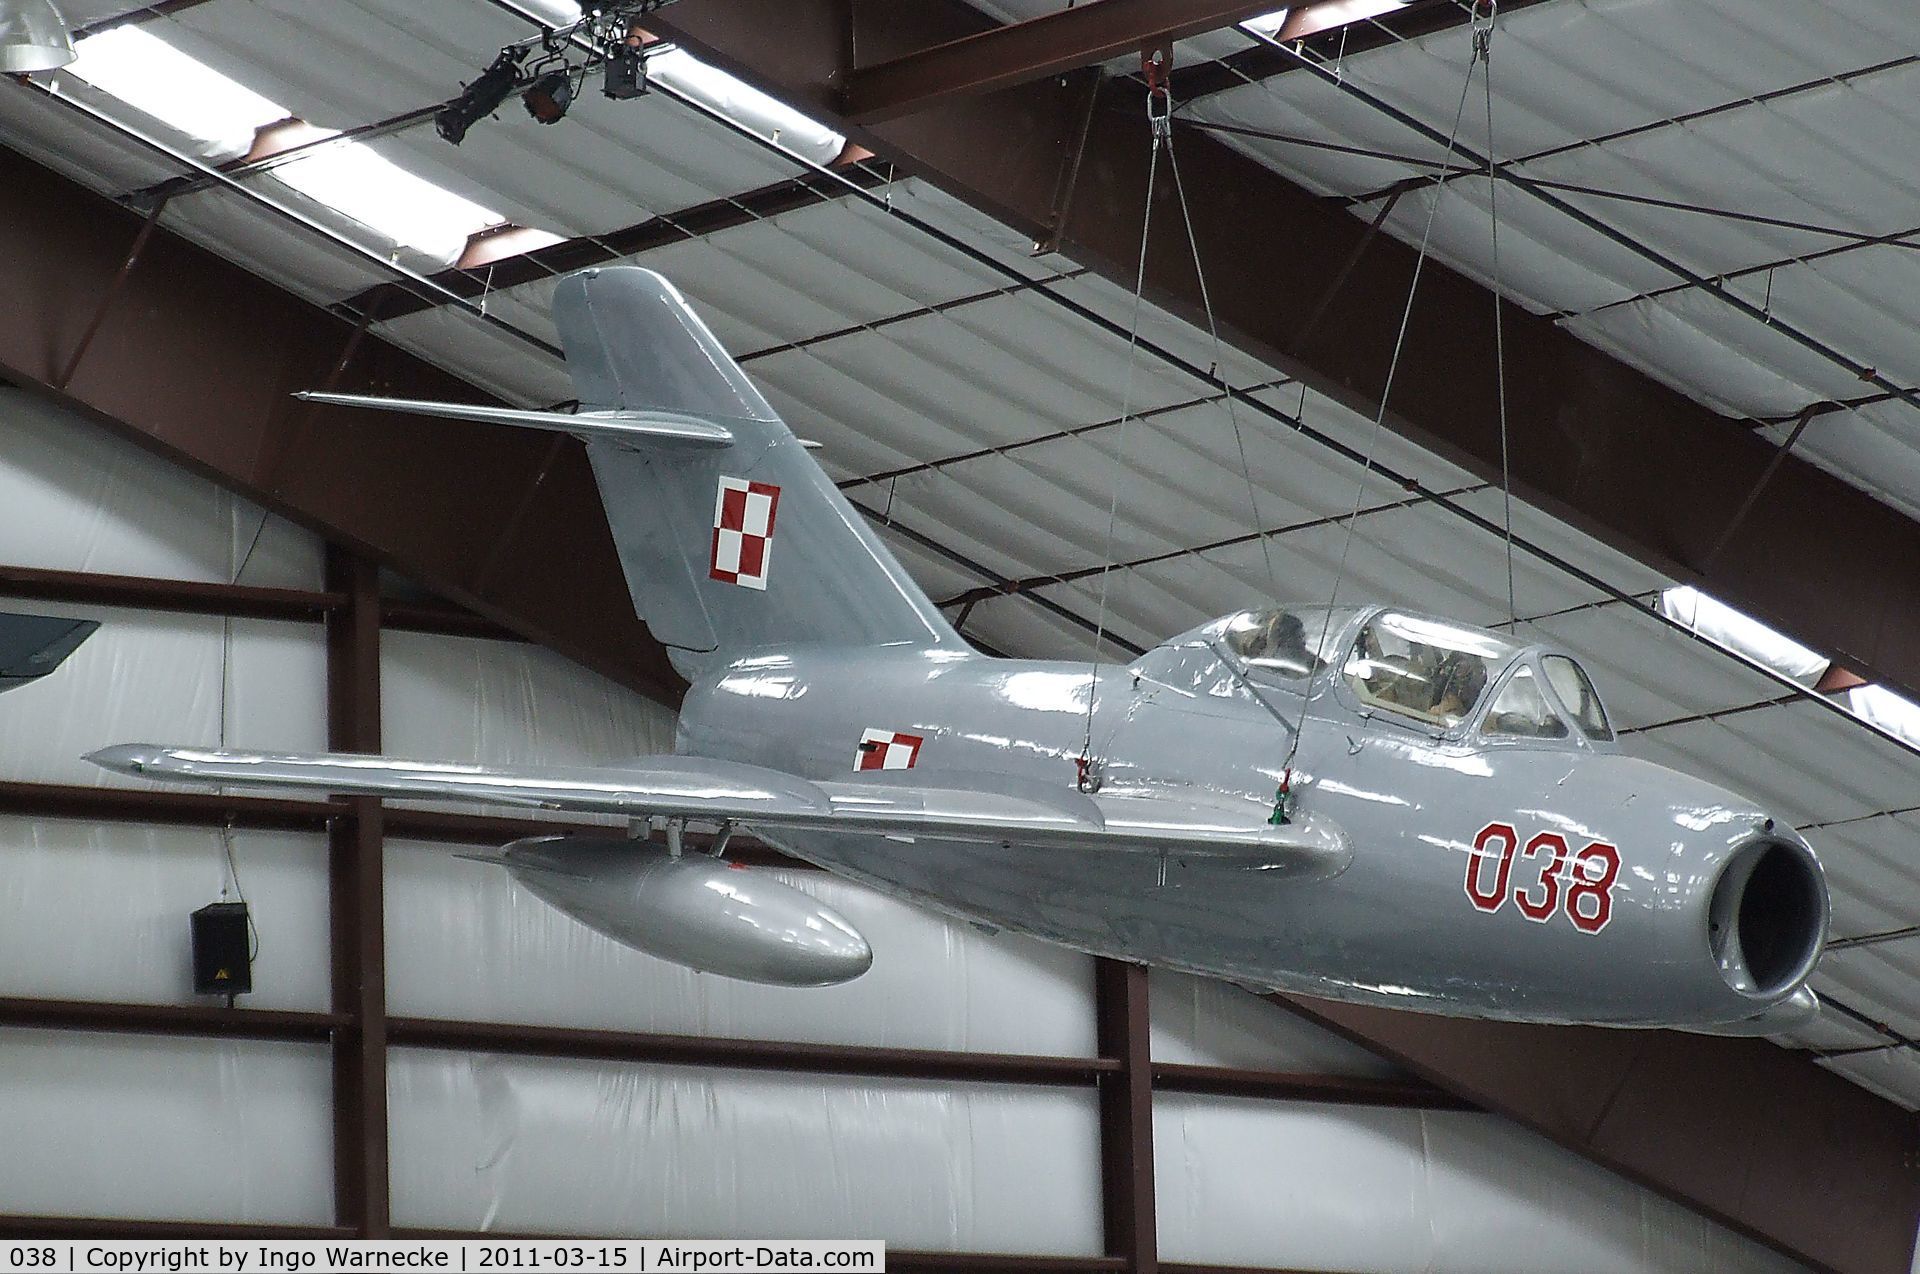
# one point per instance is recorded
(1357, 803)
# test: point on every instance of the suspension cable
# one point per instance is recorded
(1483, 53)
(1220, 374)
(1160, 128)
(1386, 394)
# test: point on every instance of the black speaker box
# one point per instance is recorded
(220, 962)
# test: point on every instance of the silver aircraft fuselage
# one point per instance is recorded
(1436, 910)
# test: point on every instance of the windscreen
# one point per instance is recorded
(1574, 689)
(1521, 711)
(1424, 668)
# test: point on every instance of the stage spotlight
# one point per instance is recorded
(548, 98)
(33, 37)
(480, 98)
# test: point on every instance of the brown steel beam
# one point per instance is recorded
(597, 249)
(741, 1054)
(197, 359)
(184, 809)
(1421, 17)
(242, 601)
(258, 813)
(356, 907)
(84, 1227)
(1753, 1135)
(170, 1019)
(1059, 40)
(1330, 1090)
(1126, 1115)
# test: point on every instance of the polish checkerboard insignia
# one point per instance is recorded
(887, 750)
(743, 531)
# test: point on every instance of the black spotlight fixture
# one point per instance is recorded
(480, 98)
(549, 96)
(626, 70)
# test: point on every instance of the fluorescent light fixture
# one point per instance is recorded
(184, 93)
(379, 194)
(747, 106)
(1303, 20)
(1893, 713)
(555, 13)
(33, 37)
(1725, 626)
(1267, 24)
(181, 92)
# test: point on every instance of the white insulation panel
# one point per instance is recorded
(508, 703)
(98, 911)
(165, 1129)
(1205, 1022)
(1350, 1188)
(74, 497)
(572, 1147)
(464, 942)
(164, 677)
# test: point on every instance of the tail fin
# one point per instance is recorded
(726, 548)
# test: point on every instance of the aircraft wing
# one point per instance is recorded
(971, 807)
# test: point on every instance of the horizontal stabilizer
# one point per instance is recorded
(613, 426)
(31, 646)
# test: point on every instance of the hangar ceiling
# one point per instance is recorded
(968, 390)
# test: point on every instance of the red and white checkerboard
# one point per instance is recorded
(887, 750)
(743, 531)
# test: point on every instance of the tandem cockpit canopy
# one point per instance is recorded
(1436, 672)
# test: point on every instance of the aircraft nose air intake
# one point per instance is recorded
(1767, 918)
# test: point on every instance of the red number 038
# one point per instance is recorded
(1542, 876)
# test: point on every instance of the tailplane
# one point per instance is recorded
(733, 547)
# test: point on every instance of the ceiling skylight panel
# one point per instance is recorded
(1722, 624)
(1896, 714)
(379, 194)
(180, 91)
(747, 106)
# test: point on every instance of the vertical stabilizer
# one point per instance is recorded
(726, 549)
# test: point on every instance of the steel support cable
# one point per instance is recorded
(1379, 421)
(1219, 369)
(1159, 131)
(1841, 79)
(1527, 185)
(1483, 51)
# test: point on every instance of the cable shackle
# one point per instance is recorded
(1156, 67)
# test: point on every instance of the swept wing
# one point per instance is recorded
(980, 807)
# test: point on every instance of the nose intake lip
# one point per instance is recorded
(1767, 918)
